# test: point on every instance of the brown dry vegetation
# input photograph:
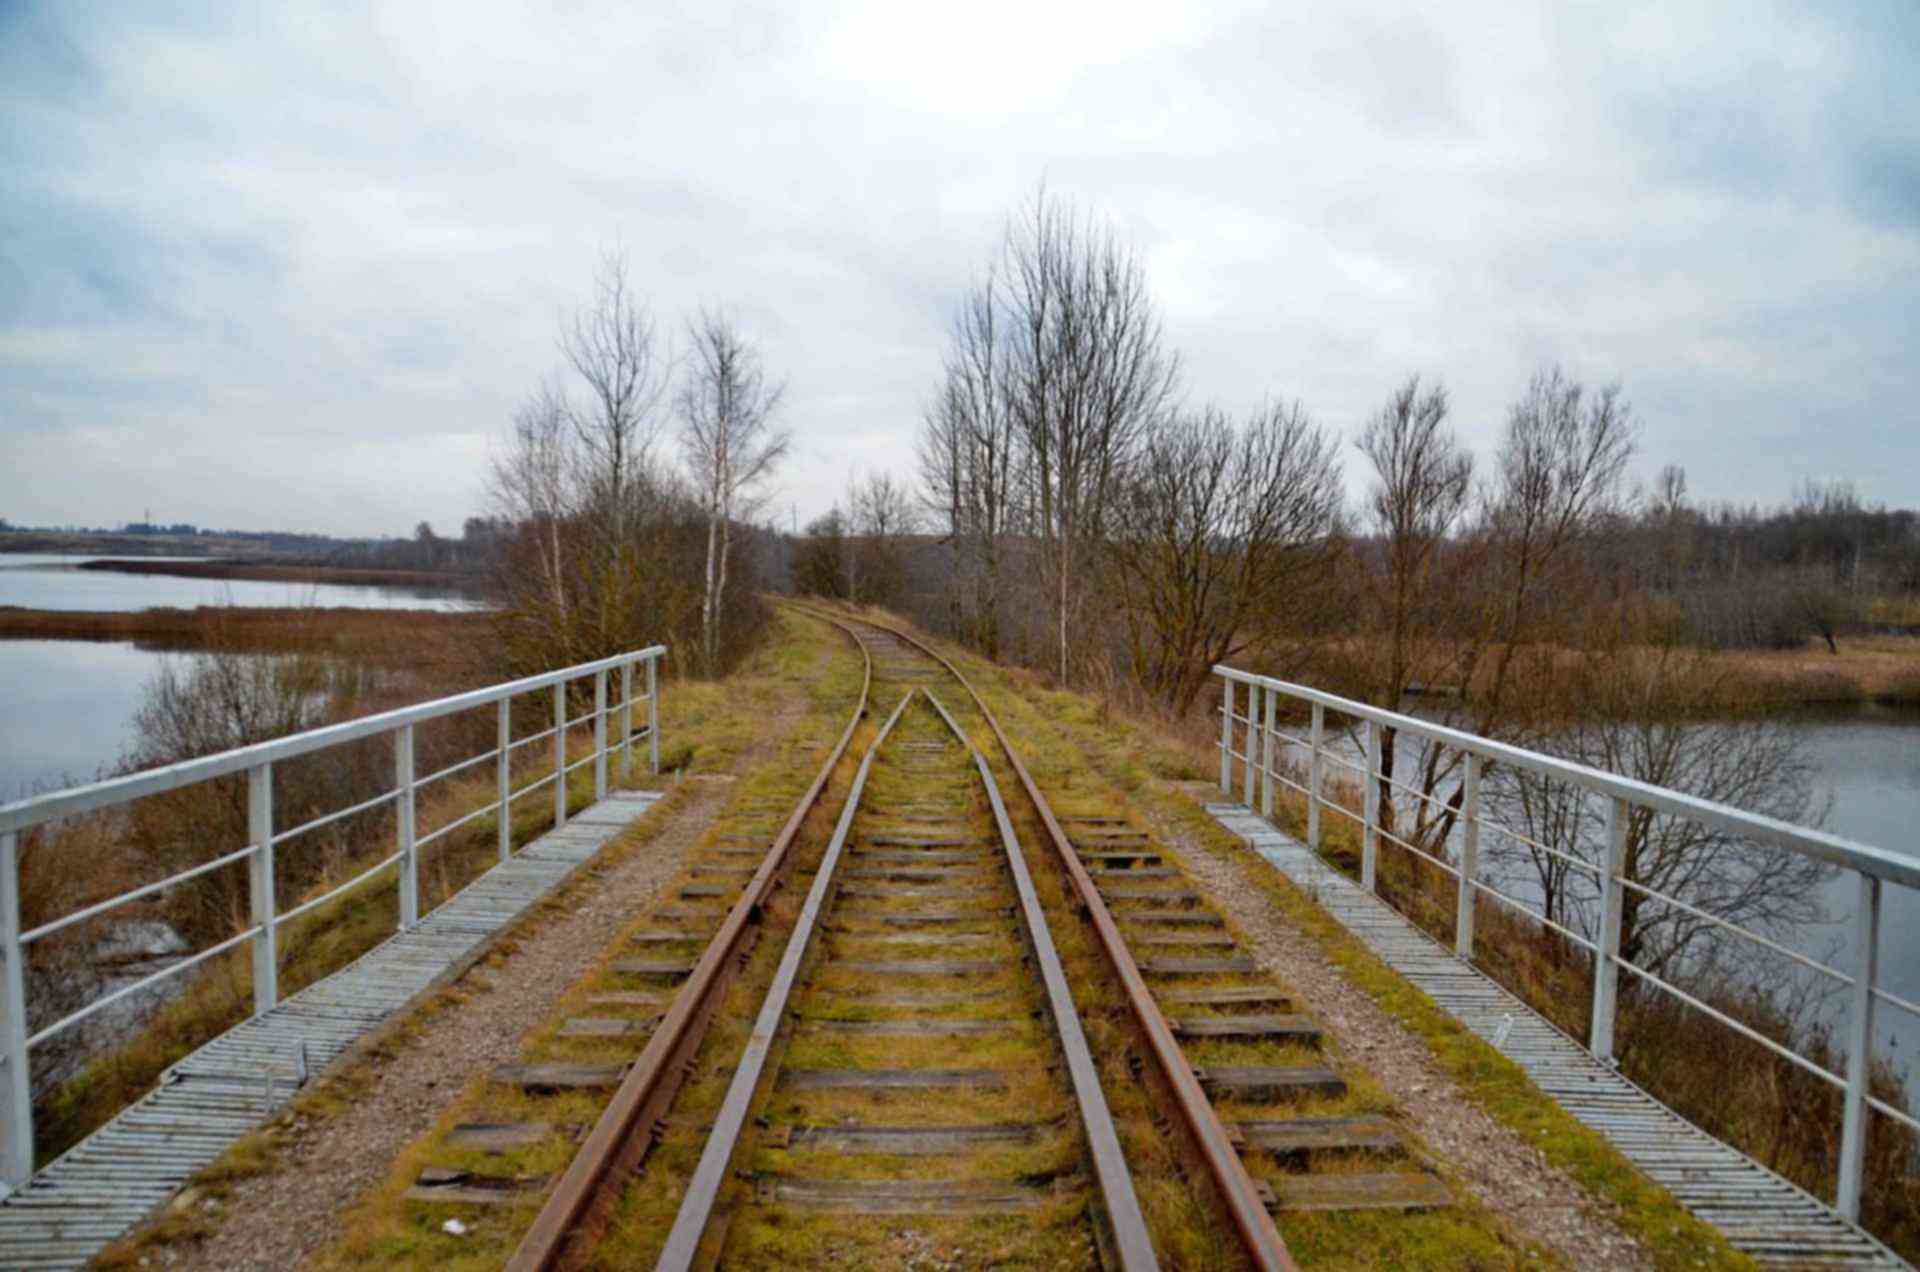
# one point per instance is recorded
(274, 573)
(253, 674)
(434, 645)
(1728, 1085)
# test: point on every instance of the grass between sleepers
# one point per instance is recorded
(716, 723)
(1149, 771)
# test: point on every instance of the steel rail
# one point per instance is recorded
(682, 1248)
(624, 1134)
(1133, 1243)
(1238, 1192)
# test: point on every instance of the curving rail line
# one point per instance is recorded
(909, 839)
(619, 1142)
(1238, 1192)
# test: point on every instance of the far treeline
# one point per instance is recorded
(1076, 512)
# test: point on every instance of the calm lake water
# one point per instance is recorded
(66, 705)
(1867, 769)
(56, 583)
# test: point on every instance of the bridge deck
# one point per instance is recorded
(1775, 1221)
(109, 1182)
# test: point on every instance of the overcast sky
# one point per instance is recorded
(295, 268)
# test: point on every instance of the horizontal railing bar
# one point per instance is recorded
(1755, 937)
(114, 903)
(1514, 903)
(587, 759)
(1418, 852)
(1899, 1115)
(1878, 862)
(456, 823)
(385, 797)
(139, 985)
(1358, 766)
(1284, 780)
(350, 884)
(1889, 997)
(1415, 791)
(530, 739)
(21, 814)
(1752, 1034)
(451, 769)
(1282, 735)
(1335, 806)
(1502, 828)
(531, 787)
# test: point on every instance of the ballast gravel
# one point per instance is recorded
(278, 1219)
(1509, 1176)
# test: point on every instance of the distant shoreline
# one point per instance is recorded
(265, 629)
(267, 572)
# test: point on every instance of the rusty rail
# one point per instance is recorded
(625, 1133)
(1238, 1192)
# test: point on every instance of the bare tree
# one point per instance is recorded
(967, 461)
(613, 347)
(726, 408)
(1557, 482)
(1089, 375)
(1473, 598)
(1222, 533)
(532, 487)
(882, 513)
(595, 530)
(1420, 498)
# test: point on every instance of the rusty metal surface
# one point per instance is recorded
(703, 1190)
(1238, 1192)
(623, 1133)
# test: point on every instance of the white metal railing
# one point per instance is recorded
(1262, 747)
(257, 762)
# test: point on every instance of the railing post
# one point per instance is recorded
(626, 722)
(599, 735)
(407, 826)
(1266, 757)
(1253, 751)
(560, 755)
(16, 1153)
(653, 712)
(503, 775)
(1370, 838)
(1469, 860)
(266, 948)
(1313, 777)
(1226, 735)
(1606, 959)
(1853, 1132)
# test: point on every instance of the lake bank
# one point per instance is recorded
(249, 629)
(64, 583)
(278, 572)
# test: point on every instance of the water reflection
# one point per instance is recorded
(34, 581)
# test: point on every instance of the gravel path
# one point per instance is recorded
(277, 1219)
(1507, 1174)
(282, 1217)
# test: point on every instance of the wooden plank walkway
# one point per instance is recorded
(1778, 1223)
(103, 1186)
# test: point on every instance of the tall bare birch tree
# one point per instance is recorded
(614, 349)
(967, 447)
(1090, 376)
(726, 407)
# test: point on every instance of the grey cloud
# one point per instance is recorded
(347, 238)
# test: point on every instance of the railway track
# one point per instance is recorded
(919, 1052)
